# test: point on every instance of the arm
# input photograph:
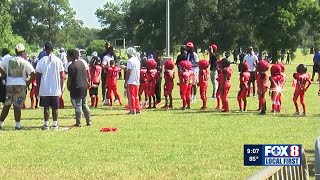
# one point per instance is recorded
(308, 83)
(62, 80)
(38, 81)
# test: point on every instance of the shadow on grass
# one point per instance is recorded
(311, 162)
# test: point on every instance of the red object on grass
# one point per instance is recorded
(108, 129)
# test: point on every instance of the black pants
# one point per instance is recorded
(2, 91)
(158, 91)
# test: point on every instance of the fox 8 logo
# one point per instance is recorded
(283, 151)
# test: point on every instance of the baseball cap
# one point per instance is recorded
(20, 47)
(62, 50)
(131, 51)
(190, 44)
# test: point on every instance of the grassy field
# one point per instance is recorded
(157, 144)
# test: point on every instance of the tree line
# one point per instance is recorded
(268, 25)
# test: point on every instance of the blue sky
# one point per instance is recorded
(85, 10)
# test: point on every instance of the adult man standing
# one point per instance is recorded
(132, 81)
(182, 56)
(213, 68)
(251, 59)
(50, 72)
(104, 72)
(192, 56)
(16, 69)
(78, 83)
(63, 57)
(316, 63)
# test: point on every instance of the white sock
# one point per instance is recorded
(55, 123)
(46, 123)
(18, 124)
(1, 123)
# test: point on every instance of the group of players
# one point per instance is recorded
(149, 77)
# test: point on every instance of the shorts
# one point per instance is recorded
(316, 68)
(50, 101)
(195, 79)
(33, 92)
(252, 76)
(15, 95)
(94, 90)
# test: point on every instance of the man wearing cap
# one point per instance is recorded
(182, 56)
(213, 68)
(16, 69)
(50, 79)
(132, 81)
(192, 56)
(251, 59)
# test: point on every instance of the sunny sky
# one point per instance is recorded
(85, 10)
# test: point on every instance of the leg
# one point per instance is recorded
(17, 115)
(136, 98)
(103, 85)
(37, 103)
(77, 104)
(303, 102)
(115, 91)
(295, 98)
(154, 97)
(188, 95)
(46, 116)
(4, 113)
(55, 117)
(183, 94)
(158, 91)
(170, 104)
(86, 111)
(214, 82)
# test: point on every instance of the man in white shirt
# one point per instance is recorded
(16, 70)
(132, 81)
(105, 65)
(63, 57)
(50, 72)
(251, 59)
(194, 59)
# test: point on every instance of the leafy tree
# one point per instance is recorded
(96, 45)
(5, 26)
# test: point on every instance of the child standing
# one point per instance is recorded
(168, 85)
(303, 83)
(143, 85)
(276, 85)
(112, 79)
(203, 82)
(219, 80)
(185, 84)
(226, 72)
(262, 83)
(244, 86)
(95, 74)
(152, 77)
(34, 94)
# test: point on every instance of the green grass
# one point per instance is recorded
(156, 144)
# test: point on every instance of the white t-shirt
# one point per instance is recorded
(134, 65)
(106, 60)
(250, 60)
(63, 57)
(82, 60)
(50, 68)
(17, 70)
(194, 62)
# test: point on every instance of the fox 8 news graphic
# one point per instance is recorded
(273, 155)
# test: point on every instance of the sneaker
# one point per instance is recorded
(138, 112)
(45, 128)
(183, 108)
(304, 114)
(171, 107)
(89, 124)
(55, 128)
(188, 107)
(77, 125)
(203, 108)
(262, 113)
(296, 114)
(131, 113)
(17, 128)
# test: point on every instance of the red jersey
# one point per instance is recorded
(276, 81)
(168, 76)
(186, 77)
(95, 73)
(262, 80)
(244, 80)
(143, 75)
(112, 74)
(226, 74)
(203, 76)
(302, 80)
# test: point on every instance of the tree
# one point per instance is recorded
(5, 26)
(96, 45)
(39, 21)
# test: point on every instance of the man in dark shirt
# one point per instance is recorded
(78, 82)
(182, 56)
(157, 58)
(213, 68)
